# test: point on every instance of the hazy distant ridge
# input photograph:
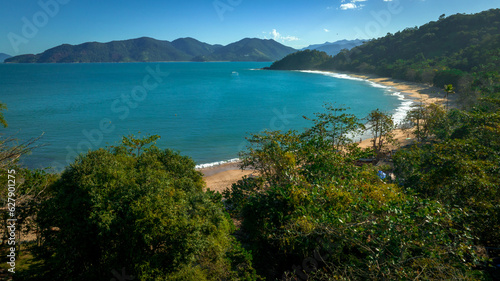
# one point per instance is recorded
(147, 49)
(3, 57)
(333, 48)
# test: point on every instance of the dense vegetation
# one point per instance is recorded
(139, 209)
(463, 50)
(312, 212)
(151, 50)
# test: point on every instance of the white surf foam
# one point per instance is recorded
(399, 113)
(402, 110)
(213, 164)
(333, 74)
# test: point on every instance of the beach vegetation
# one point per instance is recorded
(313, 213)
(460, 169)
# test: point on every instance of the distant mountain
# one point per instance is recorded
(134, 50)
(147, 49)
(249, 49)
(333, 48)
(194, 47)
(3, 57)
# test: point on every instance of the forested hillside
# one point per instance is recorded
(438, 52)
(463, 50)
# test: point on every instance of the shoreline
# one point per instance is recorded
(220, 175)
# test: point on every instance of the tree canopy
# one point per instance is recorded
(146, 213)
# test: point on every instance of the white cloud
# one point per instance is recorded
(278, 37)
(352, 4)
(326, 30)
(348, 6)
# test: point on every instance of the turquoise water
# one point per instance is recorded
(204, 110)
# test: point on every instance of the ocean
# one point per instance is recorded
(203, 110)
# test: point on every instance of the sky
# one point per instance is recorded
(32, 26)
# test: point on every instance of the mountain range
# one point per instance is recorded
(147, 49)
(333, 48)
(3, 57)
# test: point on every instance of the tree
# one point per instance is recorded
(427, 121)
(381, 126)
(136, 144)
(276, 155)
(146, 213)
(414, 120)
(333, 128)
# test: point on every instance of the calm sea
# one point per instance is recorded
(203, 110)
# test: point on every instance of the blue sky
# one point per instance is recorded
(32, 26)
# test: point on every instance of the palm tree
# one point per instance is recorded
(449, 90)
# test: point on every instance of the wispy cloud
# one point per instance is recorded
(278, 37)
(326, 30)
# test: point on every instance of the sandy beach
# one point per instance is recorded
(220, 177)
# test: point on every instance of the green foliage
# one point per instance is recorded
(312, 204)
(381, 125)
(427, 122)
(455, 42)
(332, 129)
(461, 169)
(144, 212)
(134, 143)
